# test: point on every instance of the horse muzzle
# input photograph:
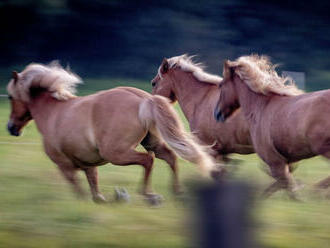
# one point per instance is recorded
(13, 129)
(218, 115)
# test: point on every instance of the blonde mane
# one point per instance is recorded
(186, 63)
(260, 76)
(53, 78)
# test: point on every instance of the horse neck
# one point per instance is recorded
(250, 102)
(41, 109)
(190, 93)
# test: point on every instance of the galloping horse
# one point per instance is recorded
(85, 132)
(285, 124)
(182, 80)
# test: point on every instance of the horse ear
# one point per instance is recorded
(226, 69)
(15, 76)
(165, 66)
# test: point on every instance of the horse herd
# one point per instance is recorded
(251, 109)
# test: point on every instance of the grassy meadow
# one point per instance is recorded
(38, 208)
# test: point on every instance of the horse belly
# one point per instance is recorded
(82, 151)
(85, 162)
(87, 158)
(295, 151)
(300, 154)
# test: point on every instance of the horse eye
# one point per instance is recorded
(10, 97)
(153, 84)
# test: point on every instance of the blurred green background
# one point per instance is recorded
(116, 43)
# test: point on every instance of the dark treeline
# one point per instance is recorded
(128, 39)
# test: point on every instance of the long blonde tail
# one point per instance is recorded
(157, 113)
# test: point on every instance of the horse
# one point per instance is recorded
(180, 79)
(286, 124)
(81, 133)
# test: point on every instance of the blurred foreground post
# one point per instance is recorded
(223, 216)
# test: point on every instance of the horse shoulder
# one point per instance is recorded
(318, 112)
(202, 120)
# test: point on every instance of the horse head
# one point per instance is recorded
(228, 98)
(25, 87)
(20, 114)
(162, 83)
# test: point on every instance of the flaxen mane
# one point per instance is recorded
(260, 75)
(186, 63)
(61, 82)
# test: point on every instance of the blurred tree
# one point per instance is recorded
(115, 38)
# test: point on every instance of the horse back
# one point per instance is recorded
(294, 125)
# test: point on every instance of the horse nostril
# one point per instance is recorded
(219, 116)
(12, 129)
(215, 114)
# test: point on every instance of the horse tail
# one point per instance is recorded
(156, 113)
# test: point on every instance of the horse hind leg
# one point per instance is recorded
(130, 157)
(324, 183)
(92, 178)
(152, 143)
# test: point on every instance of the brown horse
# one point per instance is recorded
(84, 132)
(285, 124)
(182, 80)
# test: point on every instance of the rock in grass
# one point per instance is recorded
(154, 199)
(121, 195)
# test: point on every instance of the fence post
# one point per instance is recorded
(223, 215)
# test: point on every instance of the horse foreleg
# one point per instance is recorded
(292, 167)
(70, 174)
(222, 158)
(271, 189)
(92, 178)
(284, 180)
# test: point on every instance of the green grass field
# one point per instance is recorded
(38, 209)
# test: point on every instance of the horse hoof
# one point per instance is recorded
(295, 199)
(177, 191)
(183, 199)
(82, 196)
(154, 199)
(299, 185)
(121, 195)
(218, 175)
(99, 199)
